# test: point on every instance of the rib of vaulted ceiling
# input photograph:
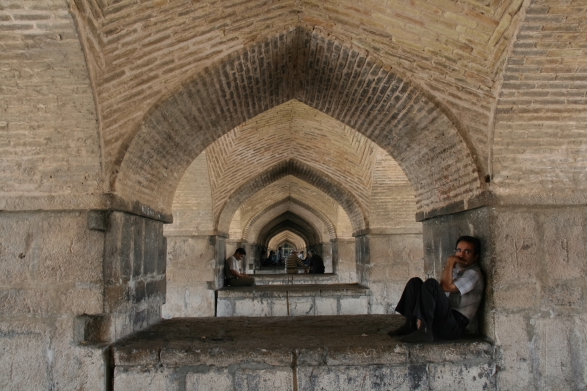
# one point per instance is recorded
(263, 217)
(345, 83)
(140, 51)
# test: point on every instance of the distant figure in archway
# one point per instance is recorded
(279, 256)
(443, 310)
(316, 265)
(292, 262)
(271, 259)
(232, 270)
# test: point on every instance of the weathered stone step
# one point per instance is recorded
(296, 353)
(293, 300)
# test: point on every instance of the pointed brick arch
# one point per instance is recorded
(289, 221)
(422, 136)
(252, 226)
(285, 236)
(302, 171)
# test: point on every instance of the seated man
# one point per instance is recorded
(272, 259)
(232, 270)
(443, 310)
(292, 262)
(316, 265)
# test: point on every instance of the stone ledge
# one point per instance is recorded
(279, 341)
(342, 353)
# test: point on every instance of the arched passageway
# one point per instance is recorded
(396, 115)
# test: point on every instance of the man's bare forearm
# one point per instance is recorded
(237, 274)
(446, 281)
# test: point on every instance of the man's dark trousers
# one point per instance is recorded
(427, 301)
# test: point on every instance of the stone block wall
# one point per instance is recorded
(51, 273)
(192, 269)
(294, 301)
(535, 307)
(394, 259)
(385, 263)
(344, 260)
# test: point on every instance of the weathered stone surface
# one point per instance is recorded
(301, 306)
(312, 340)
(140, 379)
(19, 371)
(135, 289)
(264, 379)
(466, 376)
(189, 300)
(360, 356)
(213, 379)
(516, 296)
(293, 300)
(450, 352)
(373, 377)
(326, 305)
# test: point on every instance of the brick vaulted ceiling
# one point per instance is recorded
(449, 53)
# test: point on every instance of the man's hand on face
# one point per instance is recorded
(454, 260)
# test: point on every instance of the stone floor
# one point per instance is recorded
(297, 353)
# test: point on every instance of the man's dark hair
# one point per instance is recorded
(311, 252)
(471, 240)
(240, 250)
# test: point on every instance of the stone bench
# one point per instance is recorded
(293, 300)
(296, 353)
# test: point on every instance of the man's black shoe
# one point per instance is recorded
(423, 334)
(402, 330)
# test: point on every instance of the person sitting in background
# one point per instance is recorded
(316, 263)
(292, 262)
(270, 260)
(232, 270)
(307, 260)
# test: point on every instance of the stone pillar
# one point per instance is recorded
(325, 251)
(534, 261)
(134, 272)
(362, 255)
(344, 263)
(251, 257)
(195, 266)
